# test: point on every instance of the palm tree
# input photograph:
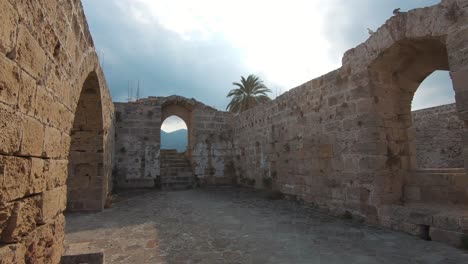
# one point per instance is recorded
(251, 92)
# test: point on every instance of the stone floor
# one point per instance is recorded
(231, 225)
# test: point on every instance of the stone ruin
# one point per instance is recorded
(344, 142)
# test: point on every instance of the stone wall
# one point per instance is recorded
(46, 54)
(343, 141)
(438, 137)
(138, 129)
(308, 142)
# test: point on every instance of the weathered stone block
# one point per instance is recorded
(460, 80)
(456, 45)
(52, 143)
(53, 203)
(49, 41)
(37, 178)
(27, 94)
(30, 55)
(447, 221)
(10, 254)
(22, 219)
(8, 28)
(359, 194)
(450, 237)
(32, 139)
(10, 137)
(9, 88)
(51, 112)
(326, 151)
(14, 173)
(461, 99)
(44, 244)
(412, 193)
(370, 148)
(56, 173)
(372, 163)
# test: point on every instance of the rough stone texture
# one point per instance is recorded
(439, 186)
(232, 225)
(344, 141)
(138, 129)
(176, 171)
(438, 133)
(46, 54)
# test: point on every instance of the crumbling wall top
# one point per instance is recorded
(414, 24)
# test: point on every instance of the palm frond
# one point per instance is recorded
(249, 93)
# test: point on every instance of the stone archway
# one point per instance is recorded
(176, 168)
(174, 134)
(395, 76)
(86, 159)
(183, 110)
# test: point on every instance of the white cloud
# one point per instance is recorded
(285, 42)
(282, 41)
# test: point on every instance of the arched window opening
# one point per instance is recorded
(419, 166)
(174, 134)
(436, 126)
(435, 90)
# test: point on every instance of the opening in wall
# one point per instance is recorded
(412, 74)
(174, 134)
(436, 126)
(85, 180)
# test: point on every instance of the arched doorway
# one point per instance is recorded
(174, 134)
(176, 168)
(85, 167)
(395, 77)
(182, 110)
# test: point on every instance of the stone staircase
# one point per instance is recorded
(176, 172)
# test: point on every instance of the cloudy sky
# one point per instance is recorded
(198, 48)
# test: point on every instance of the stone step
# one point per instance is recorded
(170, 151)
(175, 165)
(176, 171)
(166, 151)
(435, 194)
(178, 165)
(163, 159)
(176, 174)
(173, 154)
(175, 162)
(177, 179)
(177, 186)
(441, 186)
(171, 157)
(440, 170)
(440, 223)
(424, 178)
